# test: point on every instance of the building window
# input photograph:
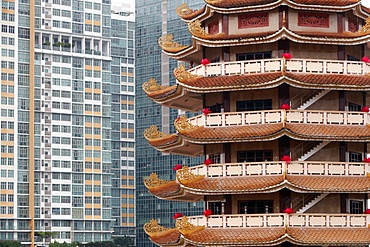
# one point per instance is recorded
(256, 207)
(253, 20)
(253, 56)
(313, 20)
(254, 156)
(215, 207)
(352, 25)
(355, 157)
(353, 107)
(213, 28)
(355, 206)
(254, 105)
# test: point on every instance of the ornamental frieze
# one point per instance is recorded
(183, 9)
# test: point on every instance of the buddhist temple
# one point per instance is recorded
(278, 92)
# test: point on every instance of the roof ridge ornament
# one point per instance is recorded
(184, 9)
(185, 176)
(195, 28)
(185, 227)
(366, 28)
(153, 133)
(182, 124)
(153, 229)
(182, 74)
(154, 181)
(151, 86)
(167, 43)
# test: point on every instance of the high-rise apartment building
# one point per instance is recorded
(57, 120)
(153, 19)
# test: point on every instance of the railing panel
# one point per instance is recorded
(234, 170)
(355, 68)
(215, 171)
(334, 67)
(272, 66)
(233, 69)
(213, 69)
(253, 67)
(294, 65)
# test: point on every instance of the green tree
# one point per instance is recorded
(126, 241)
(10, 243)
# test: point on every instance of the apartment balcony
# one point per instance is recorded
(255, 75)
(253, 126)
(193, 183)
(264, 230)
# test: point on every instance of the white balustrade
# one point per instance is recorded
(315, 220)
(269, 168)
(225, 119)
(313, 66)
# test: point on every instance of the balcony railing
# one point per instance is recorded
(280, 116)
(325, 168)
(312, 66)
(282, 220)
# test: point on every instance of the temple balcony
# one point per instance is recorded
(281, 116)
(258, 75)
(264, 230)
(193, 183)
(293, 65)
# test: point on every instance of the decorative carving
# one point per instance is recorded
(253, 20)
(213, 1)
(182, 74)
(196, 29)
(313, 20)
(168, 44)
(366, 28)
(183, 9)
(152, 228)
(151, 86)
(185, 227)
(154, 181)
(153, 133)
(184, 176)
(213, 28)
(182, 124)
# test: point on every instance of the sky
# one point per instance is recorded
(366, 3)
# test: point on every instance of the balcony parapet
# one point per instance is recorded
(280, 116)
(296, 65)
(282, 220)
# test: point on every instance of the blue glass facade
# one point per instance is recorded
(153, 19)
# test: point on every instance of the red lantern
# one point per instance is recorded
(205, 61)
(177, 167)
(286, 158)
(285, 107)
(207, 212)
(365, 108)
(208, 162)
(367, 211)
(287, 55)
(206, 111)
(367, 160)
(288, 211)
(365, 59)
(177, 215)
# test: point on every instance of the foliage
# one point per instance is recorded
(10, 243)
(124, 242)
(45, 234)
(118, 242)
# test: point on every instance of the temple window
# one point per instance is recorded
(355, 157)
(254, 105)
(352, 25)
(355, 206)
(256, 207)
(311, 19)
(253, 56)
(216, 207)
(253, 20)
(213, 28)
(254, 156)
(354, 107)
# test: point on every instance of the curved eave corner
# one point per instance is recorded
(161, 235)
(187, 14)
